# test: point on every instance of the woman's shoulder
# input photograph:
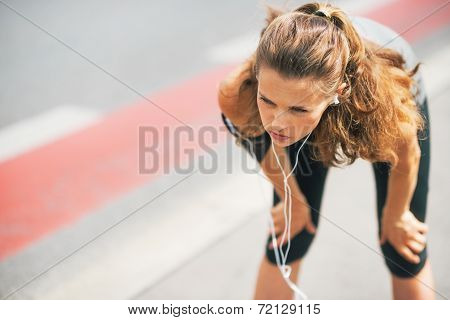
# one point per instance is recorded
(232, 104)
(237, 94)
(238, 113)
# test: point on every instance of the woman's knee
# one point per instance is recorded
(398, 265)
(299, 246)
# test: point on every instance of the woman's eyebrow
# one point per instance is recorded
(268, 100)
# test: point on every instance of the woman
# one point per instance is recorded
(343, 88)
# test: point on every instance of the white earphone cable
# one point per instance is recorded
(284, 269)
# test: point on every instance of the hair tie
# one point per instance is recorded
(322, 13)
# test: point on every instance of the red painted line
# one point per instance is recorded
(55, 185)
(403, 16)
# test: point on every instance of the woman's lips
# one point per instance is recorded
(278, 136)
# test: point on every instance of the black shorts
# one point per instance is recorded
(311, 175)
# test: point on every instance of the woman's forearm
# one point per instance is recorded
(401, 185)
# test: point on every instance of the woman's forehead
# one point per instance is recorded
(275, 87)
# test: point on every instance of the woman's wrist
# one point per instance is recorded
(393, 213)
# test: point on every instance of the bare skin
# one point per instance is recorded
(412, 288)
(270, 284)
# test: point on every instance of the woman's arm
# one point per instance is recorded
(399, 225)
(301, 213)
(403, 177)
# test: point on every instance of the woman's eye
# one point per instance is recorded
(264, 100)
(296, 110)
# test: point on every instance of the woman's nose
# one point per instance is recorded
(279, 121)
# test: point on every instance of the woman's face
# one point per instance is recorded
(291, 108)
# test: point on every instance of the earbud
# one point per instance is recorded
(336, 100)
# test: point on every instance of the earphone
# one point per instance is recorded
(284, 269)
(336, 100)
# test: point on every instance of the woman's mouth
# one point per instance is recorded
(277, 136)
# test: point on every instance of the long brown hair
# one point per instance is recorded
(376, 107)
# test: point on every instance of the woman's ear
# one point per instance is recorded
(341, 88)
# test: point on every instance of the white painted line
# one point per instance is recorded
(234, 50)
(33, 132)
(239, 48)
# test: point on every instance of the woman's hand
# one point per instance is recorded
(405, 233)
(300, 219)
